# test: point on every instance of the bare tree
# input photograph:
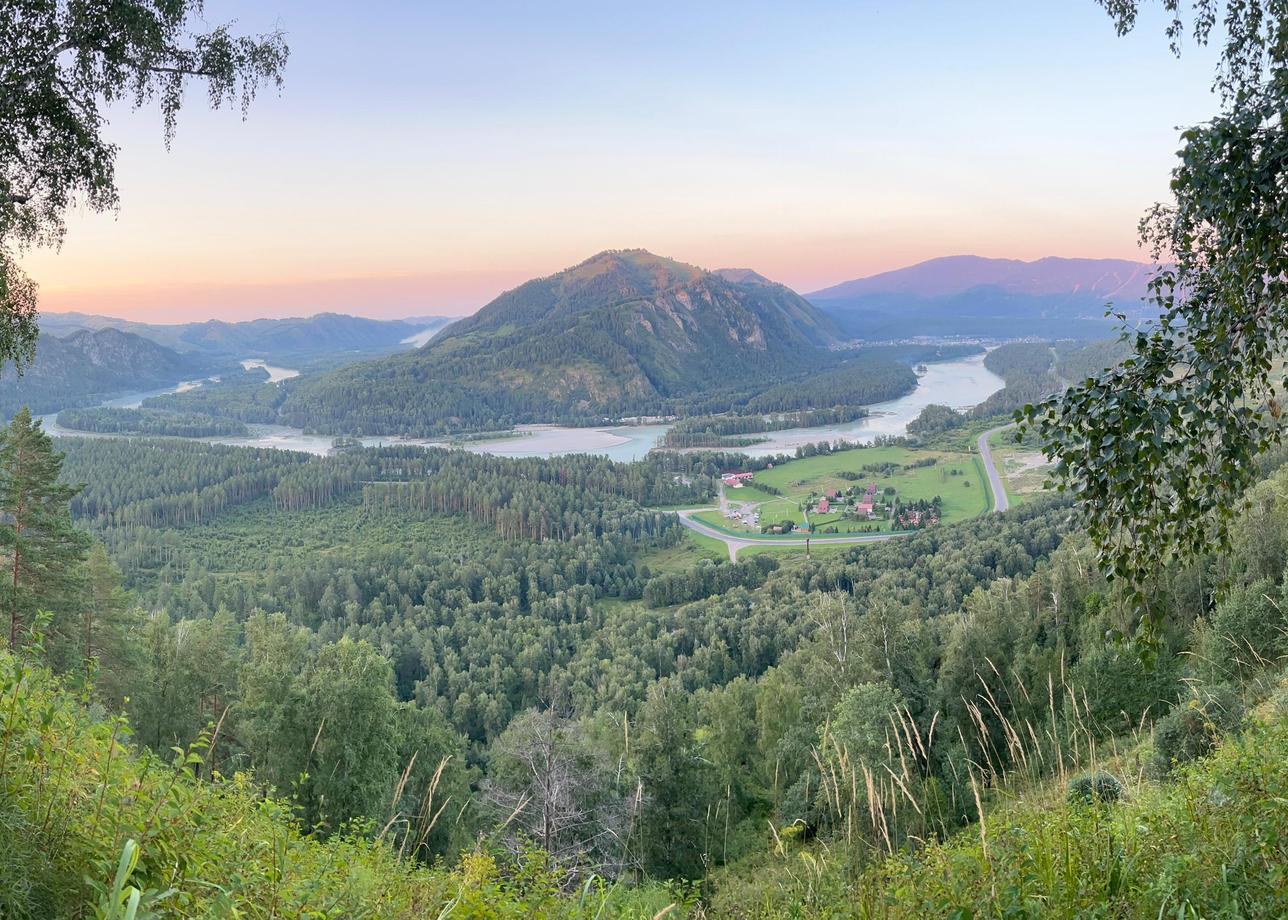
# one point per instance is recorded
(549, 786)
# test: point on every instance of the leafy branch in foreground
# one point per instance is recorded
(1159, 450)
(61, 63)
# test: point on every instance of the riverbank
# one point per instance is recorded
(960, 383)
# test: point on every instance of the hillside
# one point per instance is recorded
(1211, 841)
(87, 367)
(623, 333)
(998, 298)
(296, 338)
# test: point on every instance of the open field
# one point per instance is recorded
(797, 549)
(684, 554)
(713, 518)
(748, 493)
(955, 477)
(1023, 469)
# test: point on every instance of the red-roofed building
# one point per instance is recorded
(823, 506)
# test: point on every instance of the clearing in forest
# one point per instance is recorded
(917, 486)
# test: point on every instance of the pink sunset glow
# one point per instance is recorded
(815, 148)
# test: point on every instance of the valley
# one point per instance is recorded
(386, 534)
(961, 382)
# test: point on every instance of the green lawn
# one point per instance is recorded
(748, 494)
(780, 509)
(797, 548)
(683, 555)
(717, 520)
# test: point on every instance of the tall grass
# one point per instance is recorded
(1211, 840)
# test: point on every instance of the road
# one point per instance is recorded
(736, 543)
(1000, 501)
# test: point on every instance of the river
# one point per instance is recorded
(275, 374)
(960, 383)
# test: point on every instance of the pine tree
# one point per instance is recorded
(40, 549)
(102, 634)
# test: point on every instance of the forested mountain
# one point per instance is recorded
(86, 367)
(1035, 370)
(624, 333)
(296, 339)
(991, 298)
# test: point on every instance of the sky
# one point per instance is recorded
(425, 156)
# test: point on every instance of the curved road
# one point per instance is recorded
(736, 543)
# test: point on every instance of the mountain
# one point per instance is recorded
(89, 366)
(742, 276)
(997, 298)
(325, 335)
(623, 333)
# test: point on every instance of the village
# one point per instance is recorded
(860, 508)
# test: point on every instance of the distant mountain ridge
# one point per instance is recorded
(976, 296)
(88, 366)
(297, 338)
(623, 332)
(954, 274)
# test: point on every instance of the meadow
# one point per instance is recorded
(955, 477)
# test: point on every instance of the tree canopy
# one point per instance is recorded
(1160, 448)
(61, 64)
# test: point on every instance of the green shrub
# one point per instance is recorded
(1194, 727)
(1098, 788)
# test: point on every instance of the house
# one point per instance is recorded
(823, 506)
(864, 508)
(735, 480)
(832, 493)
(872, 489)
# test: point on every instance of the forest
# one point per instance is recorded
(830, 386)
(450, 632)
(153, 422)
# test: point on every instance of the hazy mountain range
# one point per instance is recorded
(990, 298)
(87, 366)
(325, 335)
(622, 333)
(84, 359)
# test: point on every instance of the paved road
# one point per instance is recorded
(736, 543)
(1000, 501)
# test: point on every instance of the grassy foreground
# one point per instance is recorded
(77, 802)
(75, 799)
(1210, 842)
